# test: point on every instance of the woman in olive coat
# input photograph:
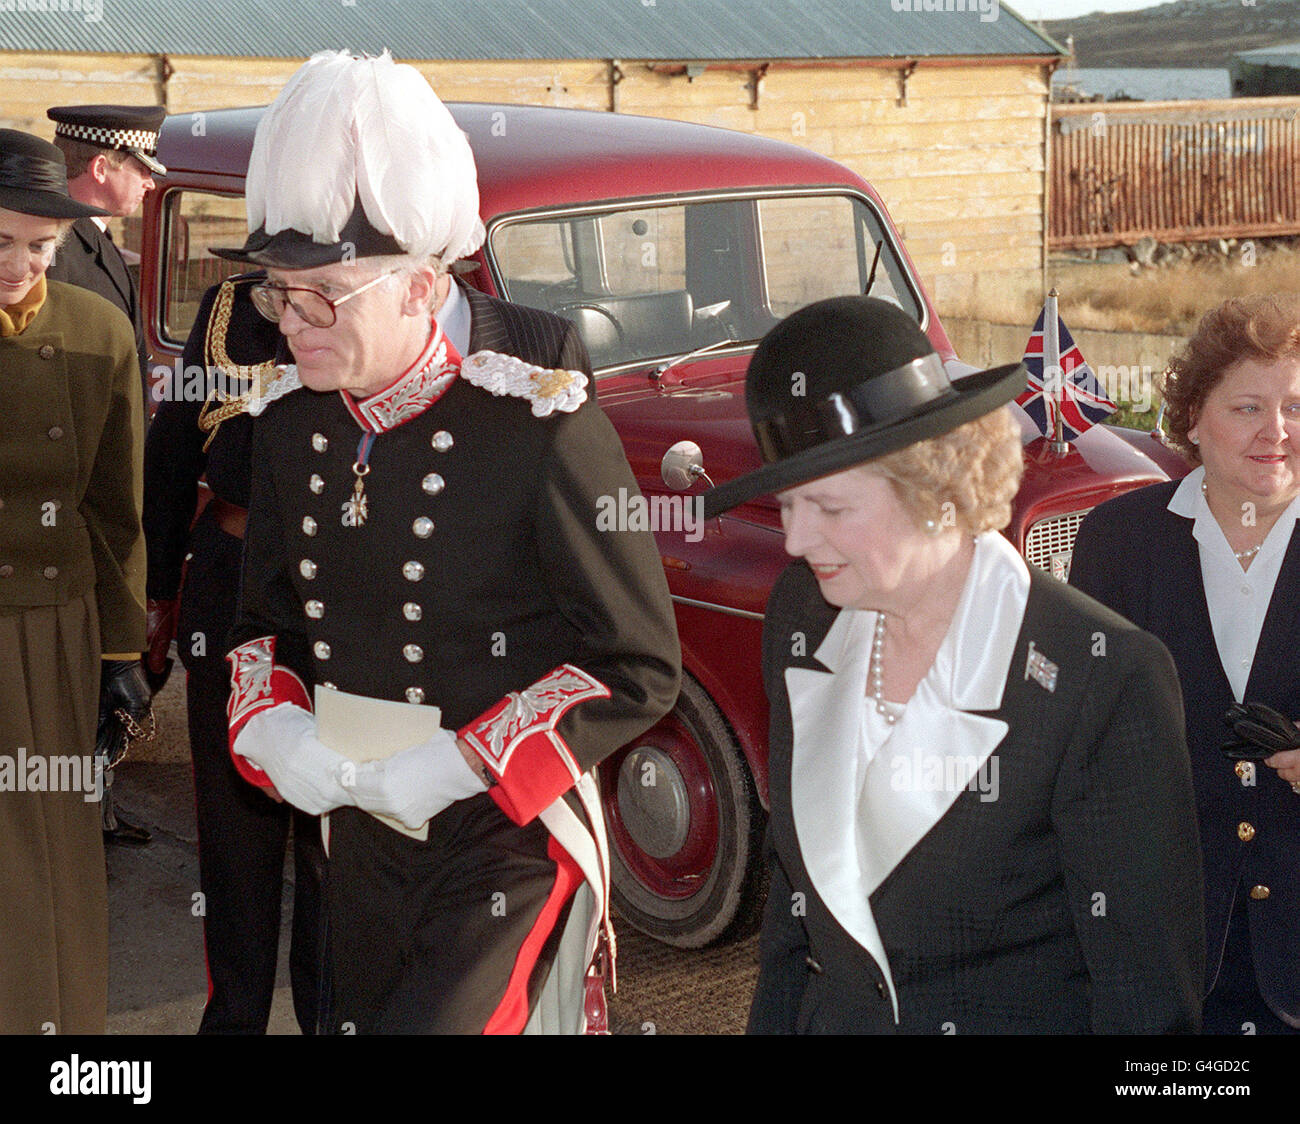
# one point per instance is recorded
(71, 596)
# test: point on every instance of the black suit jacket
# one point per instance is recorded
(1141, 559)
(1070, 903)
(90, 258)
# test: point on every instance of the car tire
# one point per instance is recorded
(686, 828)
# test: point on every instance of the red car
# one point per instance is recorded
(674, 247)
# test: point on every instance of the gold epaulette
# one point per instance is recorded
(258, 375)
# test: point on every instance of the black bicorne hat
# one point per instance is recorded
(844, 381)
(34, 179)
(123, 128)
(293, 249)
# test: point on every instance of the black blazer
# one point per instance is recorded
(1071, 903)
(1138, 557)
(90, 259)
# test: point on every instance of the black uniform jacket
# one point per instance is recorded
(89, 258)
(1141, 559)
(479, 568)
(1070, 903)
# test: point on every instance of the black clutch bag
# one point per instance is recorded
(1260, 731)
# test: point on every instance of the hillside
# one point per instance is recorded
(1182, 33)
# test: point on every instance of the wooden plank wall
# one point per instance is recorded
(956, 150)
(1174, 171)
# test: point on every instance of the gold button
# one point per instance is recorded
(1245, 832)
(1242, 769)
(46, 351)
(55, 432)
(51, 572)
(6, 571)
(1259, 893)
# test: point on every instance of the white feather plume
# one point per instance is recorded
(345, 129)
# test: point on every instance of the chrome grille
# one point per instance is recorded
(1050, 543)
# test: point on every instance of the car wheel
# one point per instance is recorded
(685, 827)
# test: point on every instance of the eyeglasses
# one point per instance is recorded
(315, 308)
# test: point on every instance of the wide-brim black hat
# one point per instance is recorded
(844, 381)
(34, 179)
(293, 249)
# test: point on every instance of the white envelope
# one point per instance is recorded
(365, 729)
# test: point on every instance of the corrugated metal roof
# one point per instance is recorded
(522, 29)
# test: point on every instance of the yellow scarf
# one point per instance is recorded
(15, 317)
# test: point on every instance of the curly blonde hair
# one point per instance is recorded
(1264, 328)
(966, 477)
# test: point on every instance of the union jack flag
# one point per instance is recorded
(1073, 389)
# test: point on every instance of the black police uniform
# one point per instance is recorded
(478, 571)
(242, 833)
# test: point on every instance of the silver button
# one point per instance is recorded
(442, 441)
(414, 695)
(412, 571)
(308, 525)
(315, 609)
(321, 649)
(423, 527)
(319, 442)
(316, 484)
(433, 483)
(413, 653)
(411, 611)
(307, 568)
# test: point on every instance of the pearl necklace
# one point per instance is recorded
(876, 671)
(1239, 555)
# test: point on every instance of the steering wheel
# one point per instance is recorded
(561, 309)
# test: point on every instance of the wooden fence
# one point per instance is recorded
(1173, 171)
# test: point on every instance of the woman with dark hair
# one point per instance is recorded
(71, 598)
(978, 824)
(1211, 565)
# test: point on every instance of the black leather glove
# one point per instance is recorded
(122, 686)
(1260, 732)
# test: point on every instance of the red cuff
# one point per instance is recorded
(257, 684)
(517, 741)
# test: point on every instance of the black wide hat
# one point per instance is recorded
(846, 380)
(34, 179)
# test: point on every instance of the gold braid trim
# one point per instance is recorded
(259, 375)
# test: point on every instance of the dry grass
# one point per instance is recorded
(1166, 299)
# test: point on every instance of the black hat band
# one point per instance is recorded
(32, 173)
(881, 400)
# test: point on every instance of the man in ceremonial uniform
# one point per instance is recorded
(431, 629)
(111, 152)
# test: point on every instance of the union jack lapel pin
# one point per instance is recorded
(1040, 669)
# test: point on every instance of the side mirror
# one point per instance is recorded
(682, 465)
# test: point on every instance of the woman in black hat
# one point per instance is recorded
(982, 818)
(71, 598)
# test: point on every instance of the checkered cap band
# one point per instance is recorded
(142, 139)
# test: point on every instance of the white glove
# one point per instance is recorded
(282, 742)
(415, 785)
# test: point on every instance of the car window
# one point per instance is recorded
(196, 221)
(652, 280)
